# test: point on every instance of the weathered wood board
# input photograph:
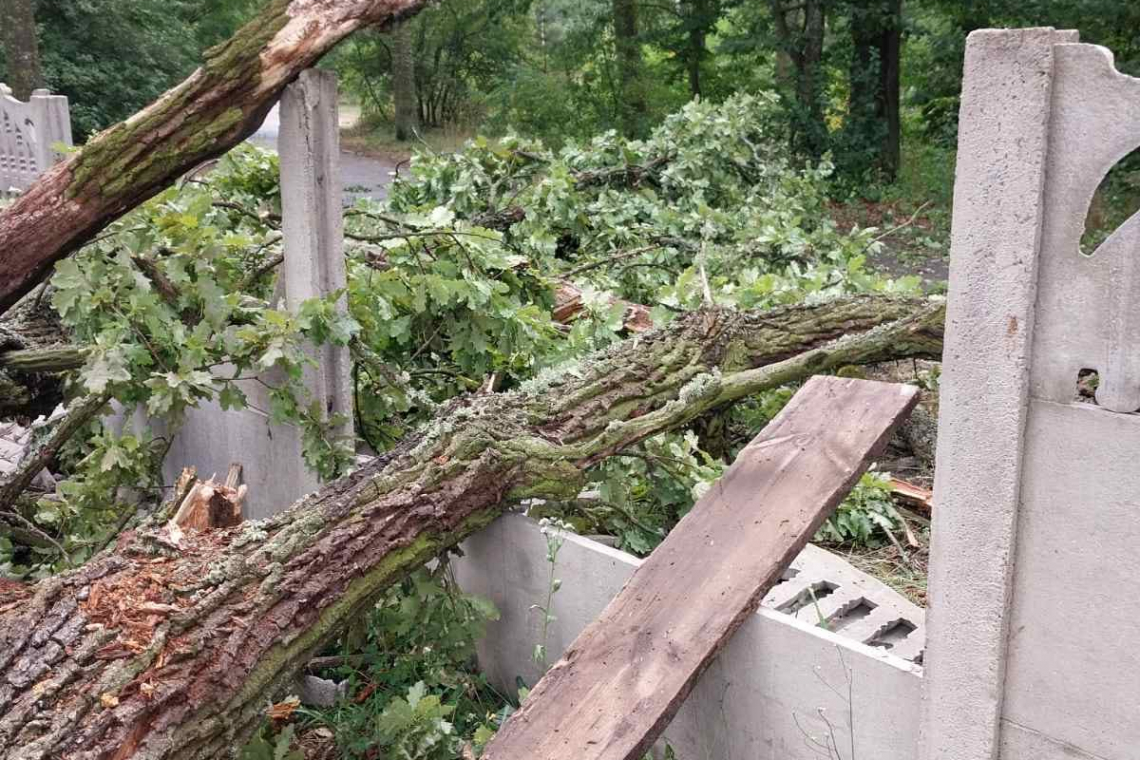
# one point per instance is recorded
(623, 679)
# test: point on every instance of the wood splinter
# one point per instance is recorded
(210, 504)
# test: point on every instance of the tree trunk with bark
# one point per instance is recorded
(631, 104)
(699, 18)
(217, 107)
(404, 81)
(876, 36)
(800, 29)
(21, 47)
(169, 645)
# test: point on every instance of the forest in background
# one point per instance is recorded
(855, 79)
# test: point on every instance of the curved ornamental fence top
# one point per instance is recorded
(28, 132)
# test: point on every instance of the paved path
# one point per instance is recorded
(361, 176)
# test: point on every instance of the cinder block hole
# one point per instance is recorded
(1087, 382)
(809, 597)
(893, 634)
(851, 614)
(788, 574)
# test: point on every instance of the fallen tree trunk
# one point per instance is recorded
(161, 648)
(217, 107)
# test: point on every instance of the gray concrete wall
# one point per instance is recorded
(28, 132)
(781, 684)
(1032, 630)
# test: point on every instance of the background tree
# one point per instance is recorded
(800, 32)
(631, 103)
(404, 82)
(21, 47)
(874, 116)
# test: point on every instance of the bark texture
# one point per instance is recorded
(21, 47)
(876, 37)
(217, 107)
(404, 82)
(631, 104)
(168, 648)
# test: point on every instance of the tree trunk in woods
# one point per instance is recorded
(876, 36)
(21, 47)
(800, 29)
(631, 81)
(169, 648)
(216, 108)
(404, 81)
(700, 19)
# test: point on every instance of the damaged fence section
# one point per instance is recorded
(778, 691)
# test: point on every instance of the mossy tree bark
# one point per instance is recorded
(169, 648)
(404, 82)
(217, 107)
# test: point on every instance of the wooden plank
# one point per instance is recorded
(623, 679)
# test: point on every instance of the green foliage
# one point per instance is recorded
(170, 292)
(710, 196)
(112, 57)
(412, 669)
(266, 746)
(173, 304)
(554, 531)
(451, 285)
(417, 728)
(864, 516)
(646, 491)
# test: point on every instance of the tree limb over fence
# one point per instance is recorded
(166, 648)
(216, 108)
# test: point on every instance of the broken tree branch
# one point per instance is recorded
(79, 414)
(159, 653)
(217, 107)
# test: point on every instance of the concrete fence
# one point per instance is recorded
(1031, 646)
(29, 133)
(211, 438)
(784, 687)
(1034, 622)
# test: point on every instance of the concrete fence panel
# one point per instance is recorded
(271, 454)
(1032, 625)
(29, 133)
(783, 689)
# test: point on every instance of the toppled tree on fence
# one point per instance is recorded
(167, 648)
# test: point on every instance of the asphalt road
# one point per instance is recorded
(361, 176)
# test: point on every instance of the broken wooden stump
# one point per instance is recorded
(615, 690)
(209, 504)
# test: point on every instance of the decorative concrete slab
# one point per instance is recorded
(821, 588)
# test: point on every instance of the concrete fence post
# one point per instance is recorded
(52, 117)
(1031, 630)
(1002, 146)
(211, 438)
(313, 223)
